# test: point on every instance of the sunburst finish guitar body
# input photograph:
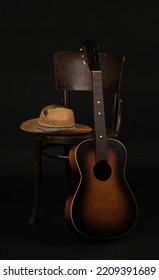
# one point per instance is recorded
(101, 203)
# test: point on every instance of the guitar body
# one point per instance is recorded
(101, 204)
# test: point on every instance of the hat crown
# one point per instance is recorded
(56, 117)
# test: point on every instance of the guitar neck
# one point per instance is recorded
(99, 117)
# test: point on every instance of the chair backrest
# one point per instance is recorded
(72, 74)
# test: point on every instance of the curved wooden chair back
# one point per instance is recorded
(73, 74)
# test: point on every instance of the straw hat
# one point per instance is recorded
(55, 119)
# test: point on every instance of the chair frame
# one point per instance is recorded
(73, 60)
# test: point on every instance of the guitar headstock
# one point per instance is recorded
(90, 49)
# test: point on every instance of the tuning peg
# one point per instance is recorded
(84, 62)
(81, 49)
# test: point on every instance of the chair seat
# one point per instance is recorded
(68, 139)
(50, 142)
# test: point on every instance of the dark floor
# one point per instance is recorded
(50, 237)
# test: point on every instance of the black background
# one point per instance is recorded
(30, 33)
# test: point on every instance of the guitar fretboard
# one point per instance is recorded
(99, 117)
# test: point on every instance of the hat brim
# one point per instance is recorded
(31, 126)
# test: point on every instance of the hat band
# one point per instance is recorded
(47, 128)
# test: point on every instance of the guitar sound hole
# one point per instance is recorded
(102, 170)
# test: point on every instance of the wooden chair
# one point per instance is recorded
(71, 76)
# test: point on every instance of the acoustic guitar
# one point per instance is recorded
(101, 204)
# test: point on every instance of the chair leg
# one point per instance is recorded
(37, 181)
(68, 169)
